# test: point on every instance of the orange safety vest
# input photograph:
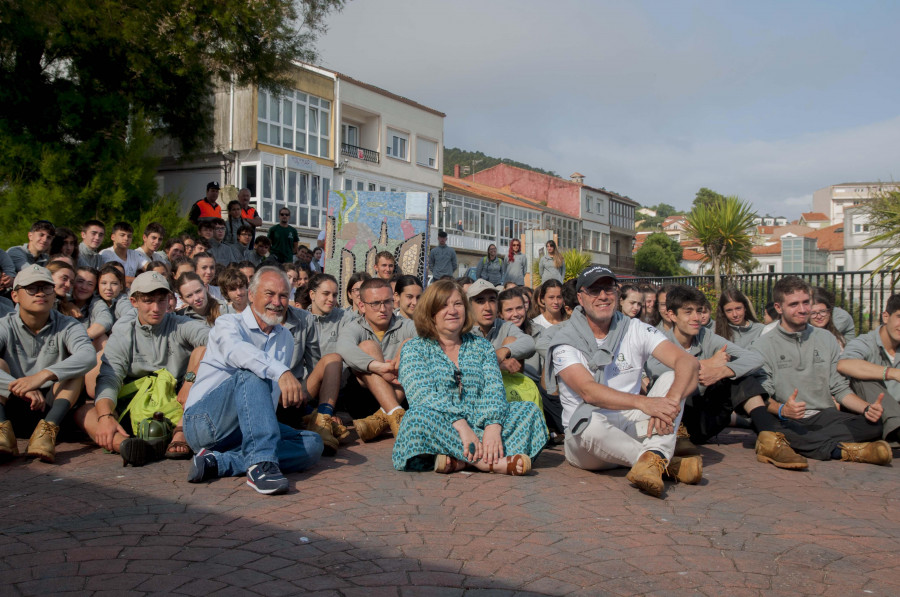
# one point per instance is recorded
(249, 213)
(207, 210)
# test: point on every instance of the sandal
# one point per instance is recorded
(512, 463)
(172, 452)
(444, 464)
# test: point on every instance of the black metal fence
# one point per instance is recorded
(862, 294)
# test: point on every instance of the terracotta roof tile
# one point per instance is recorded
(830, 238)
(501, 195)
(773, 249)
(814, 216)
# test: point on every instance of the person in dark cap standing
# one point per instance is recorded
(207, 208)
(442, 259)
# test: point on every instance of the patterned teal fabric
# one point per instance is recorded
(435, 402)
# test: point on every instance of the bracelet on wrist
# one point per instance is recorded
(884, 373)
(779, 412)
(106, 415)
(866, 409)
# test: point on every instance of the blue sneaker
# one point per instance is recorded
(266, 478)
(203, 467)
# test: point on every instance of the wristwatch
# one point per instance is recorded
(190, 377)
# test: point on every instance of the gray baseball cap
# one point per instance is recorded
(31, 274)
(479, 286)
(149, 282)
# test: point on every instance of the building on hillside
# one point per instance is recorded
(832, 200)
(592, 206)
(476, 215)
(291, 149)
(768, 220)
(814, 219)
(674, 227)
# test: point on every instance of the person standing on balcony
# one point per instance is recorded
(516, 264)
(552, 266)
(442, 259)
(491, 267)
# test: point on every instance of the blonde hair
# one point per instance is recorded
(433, 300)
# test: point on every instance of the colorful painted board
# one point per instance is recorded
(361, 224)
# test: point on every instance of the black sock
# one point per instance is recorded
(836, 453)
(658, 453)
(58, 411)
(763, 420)
(2, 412)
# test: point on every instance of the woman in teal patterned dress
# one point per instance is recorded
(458, 414)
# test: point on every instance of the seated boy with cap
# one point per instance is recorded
(138, 346)
(43, 358)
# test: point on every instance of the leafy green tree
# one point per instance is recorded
(884, 216)
(720, 229)
(707, 198)
(664, 210)
(87, 86)
(660, 255)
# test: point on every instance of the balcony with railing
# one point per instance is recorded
(360, 153)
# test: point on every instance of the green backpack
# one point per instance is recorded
(152, 394)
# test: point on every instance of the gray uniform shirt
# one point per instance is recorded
(96, 311)
(224, 254)
(492, 271)
(442, 262)
(62, 346)
(87, 257)
(805, 361)
(21, 257)
(515, 269)
(549, 271)
(330, 327)
(521, 348)
(869, 347)
(302, 326)
(6, 264)
(744, 336)
(843, 322)
(355, 332)
(703, 346)
(134, 350)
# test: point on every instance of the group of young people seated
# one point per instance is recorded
(274, 364)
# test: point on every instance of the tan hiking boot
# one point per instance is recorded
(394, 421)
(338, 429)
(372, 426)
(321, 424)
(8, 444)
(683, 444)
(685, 470)
(878, 452)
(772, 447)
(43, 441)
(647, 473)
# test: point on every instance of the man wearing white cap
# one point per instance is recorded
(596, 358)
(138, 346)
(43, 358)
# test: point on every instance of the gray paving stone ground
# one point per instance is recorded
(354, 526)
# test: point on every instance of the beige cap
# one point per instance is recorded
(149, 282)
(479, 286)
(31, 274)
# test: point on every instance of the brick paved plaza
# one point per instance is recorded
(354, 526)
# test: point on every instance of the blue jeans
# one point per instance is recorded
(236, 422)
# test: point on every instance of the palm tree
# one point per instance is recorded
(884, 216)
(720, 228)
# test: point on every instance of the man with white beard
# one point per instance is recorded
(229, 418)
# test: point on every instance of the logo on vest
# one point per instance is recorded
(785, 362)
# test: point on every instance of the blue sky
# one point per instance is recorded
(765, 100)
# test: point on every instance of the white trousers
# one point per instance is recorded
(611, 440)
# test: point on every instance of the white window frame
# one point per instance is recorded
(305, 194)
(431, 159)
(294, 119)
(394, 135)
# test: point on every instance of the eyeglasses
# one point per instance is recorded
(818, 314)
(34, 290)
(593, 291)
(189, 245)
(379, 305)
(220, 227)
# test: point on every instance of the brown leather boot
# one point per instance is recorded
(683, 444)
(43, 441)
(8, 444)
(372, 426)
(338, 429)
(878, 452)
(394, 421)
(647, 473)
(321, 424)
(772, 447)
(686, 470)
